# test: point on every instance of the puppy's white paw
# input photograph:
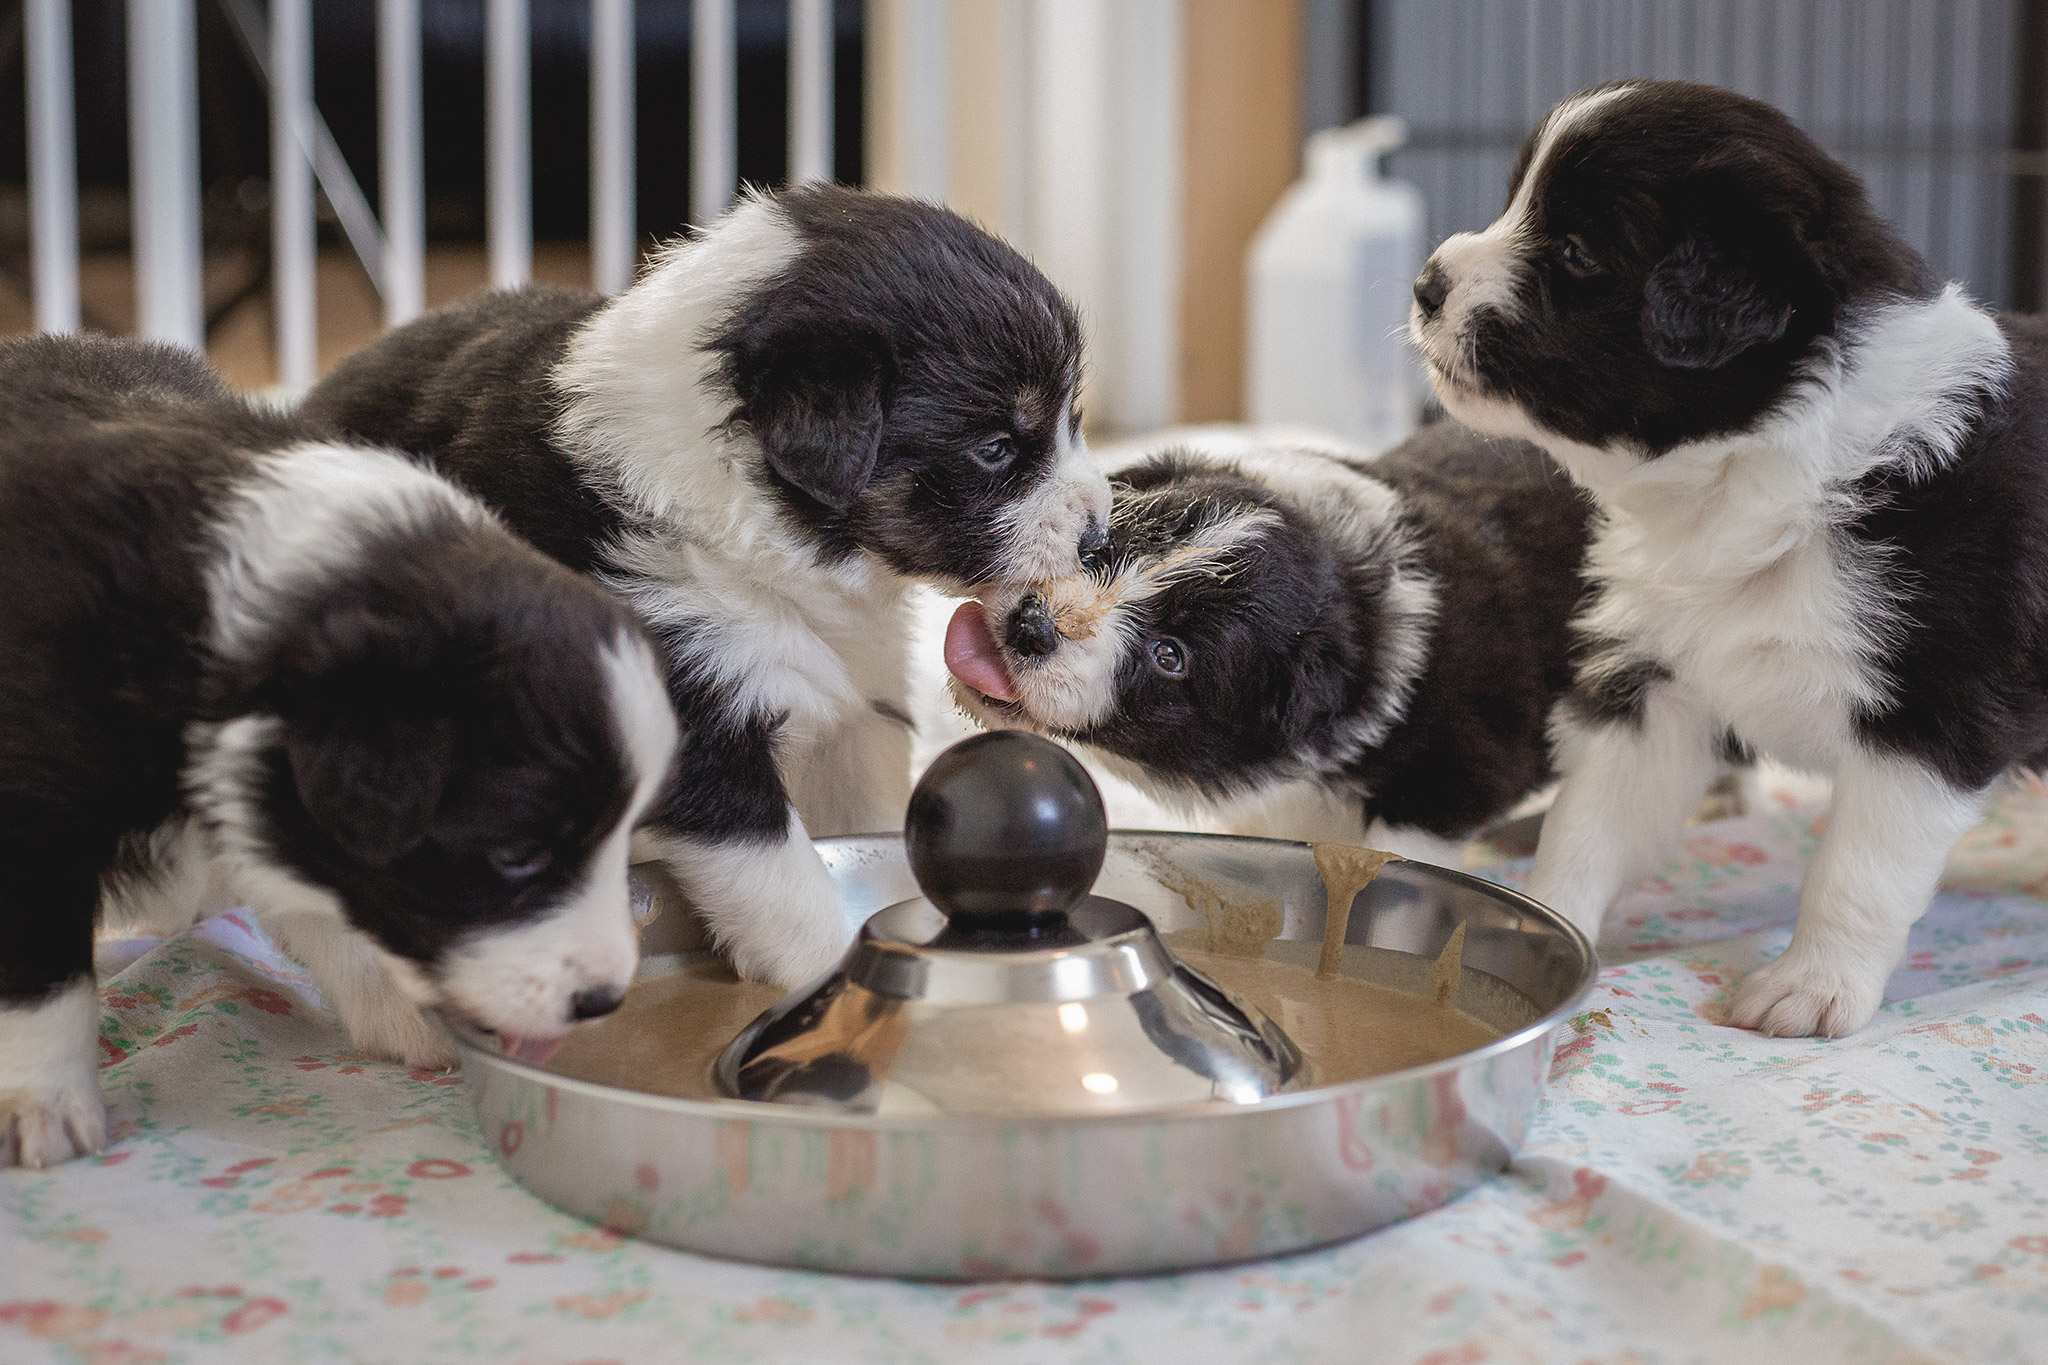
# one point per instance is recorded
(52, 1124)
(50, 1105)
(1810, 993)
(795, 945)
(390, 1026)
(772, 908)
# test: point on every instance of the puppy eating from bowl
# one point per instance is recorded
(1293, 636)
(248, 666)
(1823, 488)
(791, 417)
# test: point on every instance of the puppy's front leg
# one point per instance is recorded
(733, 842)
(1631, 776)
(856, 779)
(352, 976)
(50, 1105)
(1889, 832)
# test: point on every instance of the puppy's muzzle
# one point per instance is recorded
(1031, 632)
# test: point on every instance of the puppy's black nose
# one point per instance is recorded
(1432, 287)
(1031, 631)
(596, 1002)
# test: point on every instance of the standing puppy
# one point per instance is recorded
(789, 417)
(1823, 480)
(240, 665)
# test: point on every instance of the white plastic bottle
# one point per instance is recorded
(1330, 276)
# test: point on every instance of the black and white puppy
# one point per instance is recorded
(1823, 483)
(242, 665)
(1390, 633)
(789, 418)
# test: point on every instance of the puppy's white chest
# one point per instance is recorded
(795, 644)
(1781, 650)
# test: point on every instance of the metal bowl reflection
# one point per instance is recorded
(964, 1198)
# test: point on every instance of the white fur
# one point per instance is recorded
(1889, 833)
(50, 1105)
(1622, 805)
(1311, 811)
(772, 907)
(808, 643)
(520, 980)
(645, 410)
(1042, 527)
(223, 777)
(1075, 686)
(790, 636)
(180, 882)
(876, 745)
(1364, 515)
(766, 616)
(1725, 561)
(307, 512)
(1486, 269)
(380, 999)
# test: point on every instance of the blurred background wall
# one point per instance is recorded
(1131, 146)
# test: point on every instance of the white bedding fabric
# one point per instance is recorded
(1689, 1192)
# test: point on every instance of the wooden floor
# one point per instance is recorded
(349, 310)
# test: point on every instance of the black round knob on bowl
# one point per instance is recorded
(1005, 832)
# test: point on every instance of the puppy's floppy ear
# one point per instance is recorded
(367, 733)
(814, 402)
(372, 782)
(1703, 306)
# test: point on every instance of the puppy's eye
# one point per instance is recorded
(520, 862)
(995, 452)
(1577, 257)
(1169, 656)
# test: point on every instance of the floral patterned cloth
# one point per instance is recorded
(1689, 1192)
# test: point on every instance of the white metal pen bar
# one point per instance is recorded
(810, 90)
(614, 233)
(250, 25)
(923, 97)
(52, 165)
(292, 230)
(714, 135)
(508, 171)
(163, 155)
(401, 169)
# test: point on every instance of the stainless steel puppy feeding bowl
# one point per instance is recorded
(963, 1197)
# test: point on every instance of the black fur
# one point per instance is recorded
(898, 340)
(1968, 669)
(901, 336)
(1285, 642)
(1723, 244)
(1609, 685)
(1732, 251)
(465, 388)
(439, 701)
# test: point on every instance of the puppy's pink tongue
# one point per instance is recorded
(532, 1051)
(972, 655)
